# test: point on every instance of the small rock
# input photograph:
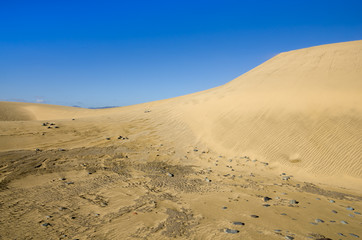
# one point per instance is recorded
(293, 202)
(46, 224)
(358, 213)
(68, 183)
(277, 230)
(283, 214)
(319, 220)
(224, 207)
(350, 208)
(332, 201)
(265, 199)
(318, 199)
(254, 216)
(283, 174)
(344, 222)
(313, 223)
(351, 215)
(334, 211)
(170, 175)
(286, 178)
(108, 138)
(341, 234)
(354, 235)
(289, 237)
(239, 223)
(233, 231)
(266, 205)
(207, 180)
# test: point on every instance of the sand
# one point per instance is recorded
(190, 166)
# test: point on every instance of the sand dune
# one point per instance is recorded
(190, 166)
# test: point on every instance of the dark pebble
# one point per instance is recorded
(266, 205)
(265, 199)
(277, 230)
(350, 208)
(341, 234)
(319, 220)
(231, 231)
(344, 222)
(334, 211)
(224, 207)
(289, 237)
(284, 214)
(293, 202)
(254, 216)
(358, 213)
(354, 235)
(239, 223)
(46, 224)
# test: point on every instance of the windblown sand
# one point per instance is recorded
(282, 142)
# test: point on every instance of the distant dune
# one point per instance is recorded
(301, 109)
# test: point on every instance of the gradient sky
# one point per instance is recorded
(117, 53)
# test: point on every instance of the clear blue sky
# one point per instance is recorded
(102, 53)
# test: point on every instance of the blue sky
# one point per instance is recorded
(117, 53)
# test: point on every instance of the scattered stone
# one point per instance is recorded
(285, 178)
(56, 127)
(224, 207)
(283, 214)
(354, 235)
(207, 180)
(334, 211)
(61, 150)
(73, 119)
(254, 216)
(319, 220)
(277, 230)
(289, 237)
(52, 124)
(48, 216)
(68, 183)
(49, 127)
(62, 208)
(170, 175)
(283, 174)
(293, 202)
(239, 223)
(351, 215)
(233, 231)
(266, 205)
(63, 178)
(341, 234)
(44, 124)
(344, 222)
(46, 224)
(332, 201)
(265, 199)
(313, 223)
(73, 217)
(318, 199)
(332, 221)
(108, 138)
(37, 150)
(358, 213)
(350, 208)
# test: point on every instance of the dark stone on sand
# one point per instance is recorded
(344, 222)
(239, 223)
(69, 183)
(233, 231)
(73, 217)
(318, 199)
(277, 230)
(44, 124)
(289, 237)
(254, 216)
(341, 234)
(358, 213)
(266, 205)
(46, 224)
(284, 214)
(332, 201)
(334, 211)
(319, 220)
(224, 207)
(170, 175)
(56, 127)
(265, 199)
(293, 202)
(350, 208)
(108, 138)
(354, 235)
(350, 215)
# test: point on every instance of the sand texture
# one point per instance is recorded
(274, 154)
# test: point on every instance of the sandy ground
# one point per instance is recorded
(274, 154)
